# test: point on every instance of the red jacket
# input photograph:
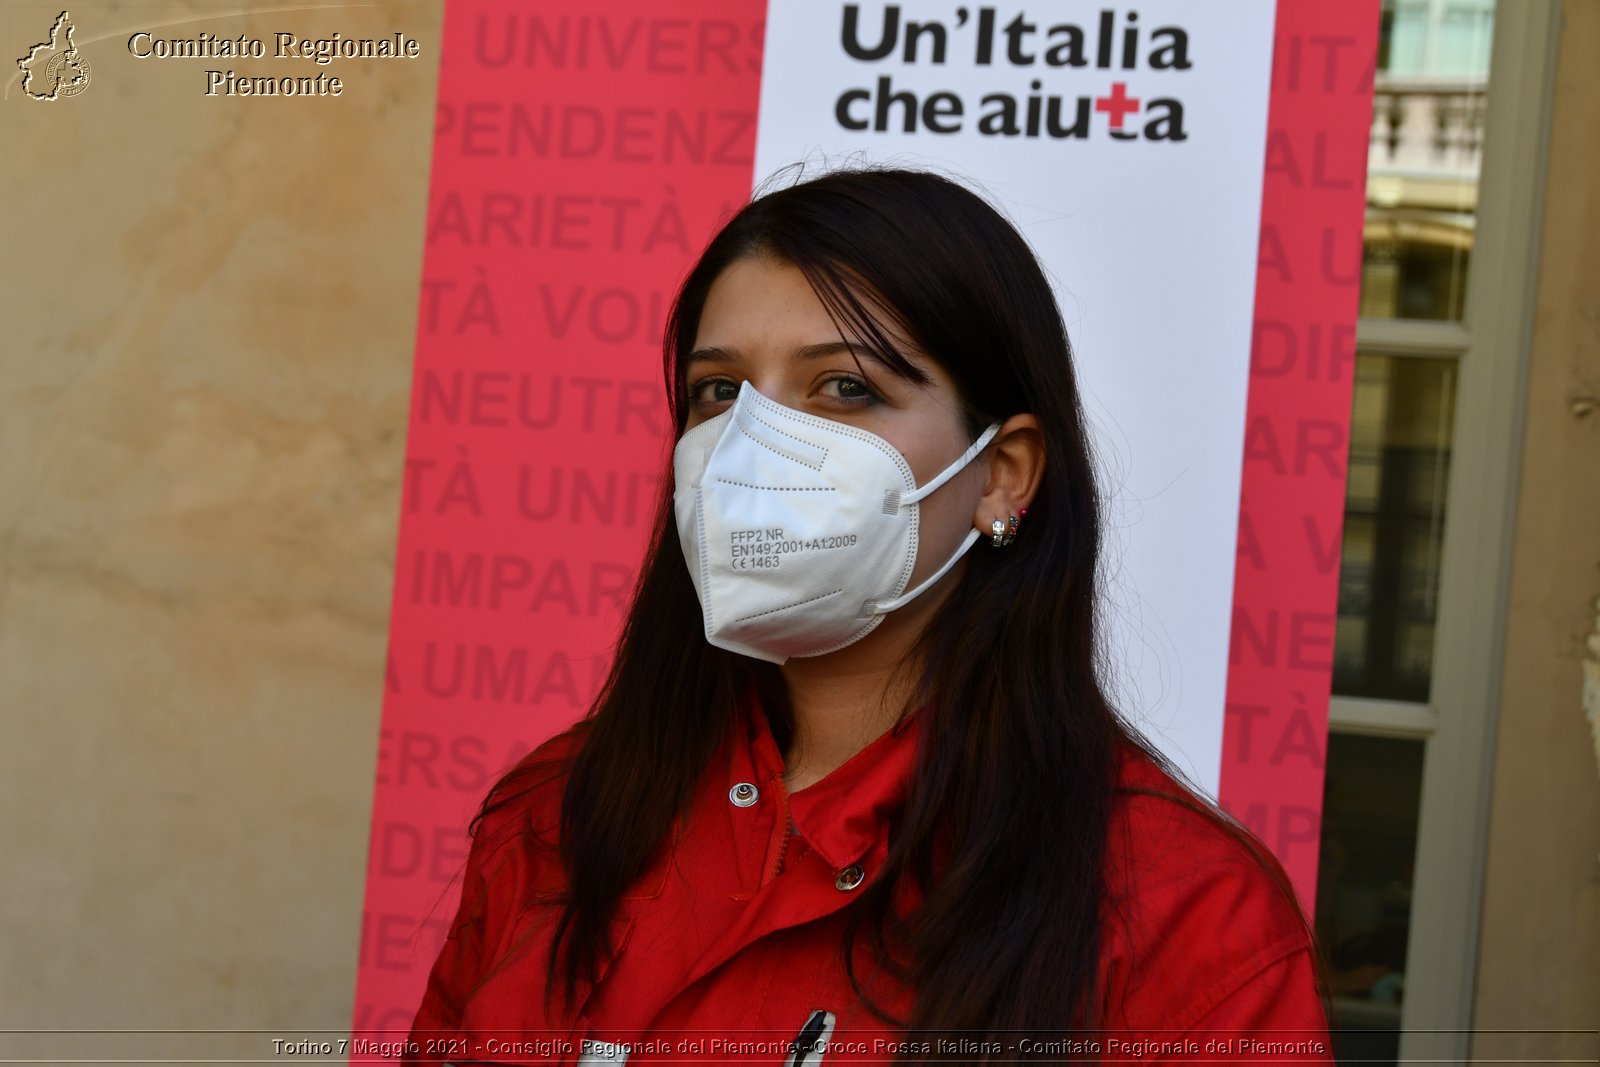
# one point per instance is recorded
(733, 935)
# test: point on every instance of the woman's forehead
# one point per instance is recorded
(761, 302)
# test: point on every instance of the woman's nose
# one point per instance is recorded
(775, 390)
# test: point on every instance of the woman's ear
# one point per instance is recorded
(1016, 466)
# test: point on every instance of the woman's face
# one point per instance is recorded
(763, 323)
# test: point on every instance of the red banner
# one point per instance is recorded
(582, 155)
(1297, 443)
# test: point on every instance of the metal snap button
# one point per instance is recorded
(849, 878)
(744, 794)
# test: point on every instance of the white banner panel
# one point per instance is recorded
(1127, 143)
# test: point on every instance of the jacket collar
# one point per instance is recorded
(843, 815)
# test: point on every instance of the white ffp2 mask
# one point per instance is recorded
(800, 532)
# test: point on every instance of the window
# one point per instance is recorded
(1454, 179)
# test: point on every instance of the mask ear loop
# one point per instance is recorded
(922, 491)
(906, 598)
(955, 467)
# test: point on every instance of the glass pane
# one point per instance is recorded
(1400, 432)
(1369, 841)
(1422, 164)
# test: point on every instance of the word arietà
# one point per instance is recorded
(319, 50)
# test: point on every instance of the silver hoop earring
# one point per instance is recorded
(1003, 532)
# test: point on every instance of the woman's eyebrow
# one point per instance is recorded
(717, 354)
(711, 354)
(833, 348)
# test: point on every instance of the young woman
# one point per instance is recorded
(853, 778)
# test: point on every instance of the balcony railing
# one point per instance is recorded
(1431, 128)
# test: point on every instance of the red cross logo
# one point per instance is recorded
(1117, 104)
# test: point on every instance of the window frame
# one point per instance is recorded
(1457, 724)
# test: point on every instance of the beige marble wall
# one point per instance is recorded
(208, 310)
(1539, 957)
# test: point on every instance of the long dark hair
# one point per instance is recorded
(1017, 732)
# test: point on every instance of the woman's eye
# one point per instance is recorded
(844, 388)
(713, 391)
(851, 390)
